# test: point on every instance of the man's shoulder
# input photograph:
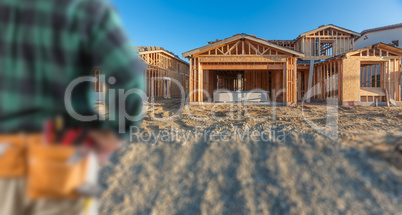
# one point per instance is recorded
(88, 7)
(66, 5)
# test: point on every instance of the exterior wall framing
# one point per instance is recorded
(341, 77)
(273, 66)
(261, 61)
(163, 66)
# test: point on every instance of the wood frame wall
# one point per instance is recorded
(290, 75)
(389, 58)
(310, 43)
(341, 77)
(328, 75)
(342, 43)
(256, 59)
(276, 64)
(161, 64)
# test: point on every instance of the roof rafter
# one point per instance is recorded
(238, 37)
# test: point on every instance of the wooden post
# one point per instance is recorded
(400, 80)
(160, 87)
(202, 84)
(152, 89)
(294, 80)
(334, 79)
(387, 85)
(284, 83)
(382, 75)
(395, 85)
(310, 80)
(331, 79)
(191, 84)
(326, 81)
(339, 81)
(199, 81)
(366, 76)
(242, 45)
(375, 76)
(195, 78)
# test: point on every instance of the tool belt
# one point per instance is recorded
(48, 169)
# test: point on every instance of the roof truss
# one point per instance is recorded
(377, 50)
(242, 45)
(145, 56)
(330, 30)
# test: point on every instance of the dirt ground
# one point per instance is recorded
(297, 160)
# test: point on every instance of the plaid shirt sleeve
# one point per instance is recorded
(111, 51)
(46, 45)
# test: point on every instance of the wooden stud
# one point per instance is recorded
(375, 77)
(330, 80)
(191, 79)
(242, 44)
(339, 81)
(395, 81)
(382, 75)
(285, 82)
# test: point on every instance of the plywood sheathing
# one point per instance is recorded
(351, 79)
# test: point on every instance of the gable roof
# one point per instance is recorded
(377, 45)
(240, 36)
(388, 27)
(323, 27)
(381, 46)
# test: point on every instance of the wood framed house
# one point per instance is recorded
(318, 65)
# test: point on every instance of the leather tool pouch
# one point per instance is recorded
(13, 162)
(51, 173)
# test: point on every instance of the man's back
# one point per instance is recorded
(44, 45)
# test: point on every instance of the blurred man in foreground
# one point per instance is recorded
(44, 46)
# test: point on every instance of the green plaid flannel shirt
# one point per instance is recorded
(45, 45)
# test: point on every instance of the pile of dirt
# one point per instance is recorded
(332, 160)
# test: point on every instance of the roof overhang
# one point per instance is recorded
(383, 46)
(237, 37)
(388, 47)
(165, 52)
(384, 28)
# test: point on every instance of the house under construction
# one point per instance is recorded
(166, 75)
(322, 60)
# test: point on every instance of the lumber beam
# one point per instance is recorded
(242, 59)
(242, 66)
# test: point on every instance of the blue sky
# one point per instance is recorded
(180, 26)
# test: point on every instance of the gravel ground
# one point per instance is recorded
(353, 166)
